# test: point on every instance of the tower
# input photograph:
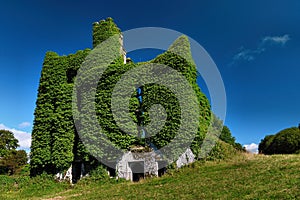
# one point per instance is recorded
(55, 143)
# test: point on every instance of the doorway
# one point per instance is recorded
(138, 171)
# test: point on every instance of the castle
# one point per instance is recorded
(56, 145)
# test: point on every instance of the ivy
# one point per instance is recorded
(55, 141)
(53, 128)
(103, 30)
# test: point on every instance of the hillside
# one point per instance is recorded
(246, 176)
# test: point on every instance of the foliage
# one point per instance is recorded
(103, 30)
(286, 141)
(179, 58)
(264, 145)
(8, 142)
(24, 170)
(11, 159)
(99, 174)
(223, 133)
(226, 136)
(239, 147)
(55, 141)
(53, 131)
(152, 94)
(221, 151)
(105, 88)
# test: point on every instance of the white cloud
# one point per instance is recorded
(244, 54)
(23, 137)
(24, 125)
(252, 148)
(250, 54)
(277, 39)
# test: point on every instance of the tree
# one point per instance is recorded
(217, 126)
(239, 147)
(11, 159)
(286, 141)
(226, 136)
(264, 145)
(7, 142)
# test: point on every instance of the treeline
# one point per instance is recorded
(286, 141)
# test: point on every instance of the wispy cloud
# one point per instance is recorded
(247, 54)
(252, 148)
(24, 125)
(23, 137)
(282, 40)
(250, 54)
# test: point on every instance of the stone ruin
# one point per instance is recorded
(135, 165)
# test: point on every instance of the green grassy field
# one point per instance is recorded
(244, 177)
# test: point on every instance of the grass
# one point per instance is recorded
(245, 176)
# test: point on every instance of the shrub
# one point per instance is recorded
(221, 151)
(13, 162)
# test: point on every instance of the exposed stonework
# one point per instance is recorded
(134, 166)
(186, 158)
(138, 164)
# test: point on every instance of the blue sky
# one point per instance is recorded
(255, 44)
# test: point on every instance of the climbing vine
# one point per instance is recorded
(55, 141)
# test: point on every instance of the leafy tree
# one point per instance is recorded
(226, 136)
(239, 147)
(286, 141)
(8, 142)
(10, 158)
(264, 145)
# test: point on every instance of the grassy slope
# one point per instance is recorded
(244, 177)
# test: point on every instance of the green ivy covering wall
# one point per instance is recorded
(53, 129)
(103, 30)
(55, 142)
(179, 57)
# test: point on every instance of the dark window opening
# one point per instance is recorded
(111, 171)
(71, 74)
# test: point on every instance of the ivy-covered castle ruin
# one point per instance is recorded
(56, 145)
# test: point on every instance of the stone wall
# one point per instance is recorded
(147, 163)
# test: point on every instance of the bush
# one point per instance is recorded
(221, 151)
(6, 183)
(99, 173)
(13, 162)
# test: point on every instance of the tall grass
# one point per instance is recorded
(245, 176)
